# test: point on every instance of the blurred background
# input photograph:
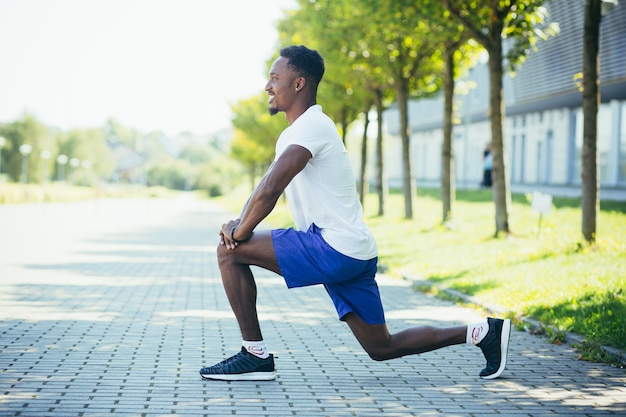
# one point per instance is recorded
(170, 94)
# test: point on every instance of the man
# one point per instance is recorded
(487, 166)
(332, 245)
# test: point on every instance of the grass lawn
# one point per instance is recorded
(12, 193)
(548, 274)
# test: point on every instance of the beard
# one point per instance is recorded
(273, 110)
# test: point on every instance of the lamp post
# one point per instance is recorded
(61, 160)
(45, 155)
(25, 150)
(74, 163)
(86, 164)
(3, 141)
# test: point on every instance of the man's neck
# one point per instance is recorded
(298, 110)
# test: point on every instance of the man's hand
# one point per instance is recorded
(226, 238)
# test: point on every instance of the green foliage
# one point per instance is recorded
(198, 165)
(114, 131)
(256, 133)
(90, 147)
(84, 144)
(491, 23)
(554, 277)
(170, 173)
(331, 27)
(25, 131)
(593, 351)
(589, 314)
(521, 23)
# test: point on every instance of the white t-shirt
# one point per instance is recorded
(324, 192)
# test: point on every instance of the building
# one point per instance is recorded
(543, 126)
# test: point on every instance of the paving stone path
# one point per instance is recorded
(110, 307)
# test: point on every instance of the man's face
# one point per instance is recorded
(280, 86)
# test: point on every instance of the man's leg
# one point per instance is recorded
(381, 345)
(239, 282)
(241, 291)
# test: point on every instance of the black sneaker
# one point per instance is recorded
(244, 366)
(495, 347)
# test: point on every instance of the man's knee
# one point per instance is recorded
(224, 255)
(378, 353)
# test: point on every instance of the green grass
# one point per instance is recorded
(550, 274)
(11, 193)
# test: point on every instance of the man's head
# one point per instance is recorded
(294, 78)
(305, 62)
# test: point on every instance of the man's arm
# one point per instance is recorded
(264, 198)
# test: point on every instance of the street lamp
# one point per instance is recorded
(3, 141)
(61, 160)
(25, 150)
(86, 164)
(45, 155)
(74, 163)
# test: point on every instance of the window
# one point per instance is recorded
(603, 144)
(548, 157)
(621, 176)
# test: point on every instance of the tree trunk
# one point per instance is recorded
(447, 152)
(501, 188)
(405, 134)
(344, 129)
(381, 184)
(362, 180)
(590, 203)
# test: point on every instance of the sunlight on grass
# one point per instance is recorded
(553, 276)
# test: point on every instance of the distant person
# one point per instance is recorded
(332, 245)
(487, 167)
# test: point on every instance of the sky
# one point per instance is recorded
(170, 65)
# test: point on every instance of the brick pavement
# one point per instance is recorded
(110, 307)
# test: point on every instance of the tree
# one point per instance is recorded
(489, 22)
(590, 202)
(362, 179)
(114, 131)
(458, 54)
(383, 46)
(330, 27)
(367, 57)
(90, 148)
(381, 183)
(412, 64)
(256, 133)
(26, 131)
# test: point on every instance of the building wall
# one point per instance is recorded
(543, 125)
(541, 148)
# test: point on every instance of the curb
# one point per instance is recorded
(531, 324)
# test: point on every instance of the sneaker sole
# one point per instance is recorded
(504, 349)
(249, 376)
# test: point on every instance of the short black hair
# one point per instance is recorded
(306, 62)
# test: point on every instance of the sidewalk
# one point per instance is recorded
(111, 307)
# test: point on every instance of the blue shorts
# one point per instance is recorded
(306, 259)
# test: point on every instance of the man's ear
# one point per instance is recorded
(300, 83)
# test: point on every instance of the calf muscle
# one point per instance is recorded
(380, 345)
